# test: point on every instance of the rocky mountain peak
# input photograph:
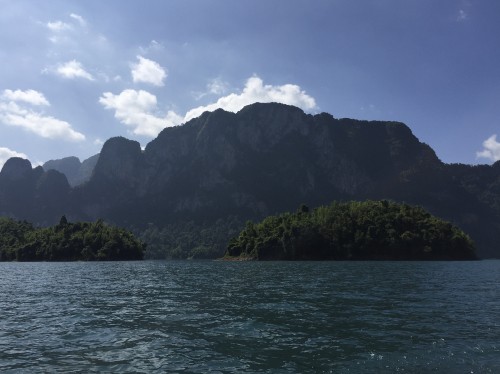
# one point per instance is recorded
(266, 158)
(16, 168)
(75, 171)
(119, 159)
(69, 166)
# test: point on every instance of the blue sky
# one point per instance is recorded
(76, 73)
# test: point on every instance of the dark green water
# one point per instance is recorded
(278, 317)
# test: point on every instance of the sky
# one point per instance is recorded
(75, 73)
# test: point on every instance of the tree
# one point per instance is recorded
(67, 242)
(353, 231)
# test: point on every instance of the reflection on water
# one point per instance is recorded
(250, 317)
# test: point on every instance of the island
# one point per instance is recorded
(79, 241)
(366, 230)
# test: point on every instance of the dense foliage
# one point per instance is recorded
(190, 240)
(80, 241)
(370, 230)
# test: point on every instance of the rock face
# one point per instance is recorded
(76, 172)
(32, 193)
(15, 169)
(270, 158)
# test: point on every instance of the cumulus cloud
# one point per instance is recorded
(13, 113)
(491, 149)
(6, 153)
(256, 91)
(138, 110)
(148, 71)
(73, 69)
(29, 96)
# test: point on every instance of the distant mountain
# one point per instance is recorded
(34, 194)
(76, 172)
(266, 159)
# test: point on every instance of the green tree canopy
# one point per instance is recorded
(79, 241)
(370, 230)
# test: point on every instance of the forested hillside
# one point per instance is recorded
(370, 230)
(80, 241)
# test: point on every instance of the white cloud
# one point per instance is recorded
(73, 69)
(79, 19)
(98, 141)
(72, 33)
(256, 91)
(148, 71)
(29, 96)
(58, 26)
(6, 153)
(138, 110)
(215, 87)
(58, 31)
(14, 114)
(491, 149)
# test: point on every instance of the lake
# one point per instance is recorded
(234, 317)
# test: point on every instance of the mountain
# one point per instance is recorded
(270, 158)
(76, 172)
(33, 194)
(264, 159)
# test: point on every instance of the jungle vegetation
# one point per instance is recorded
(79, 241)
(369, 230)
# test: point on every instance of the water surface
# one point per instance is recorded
(279, 317)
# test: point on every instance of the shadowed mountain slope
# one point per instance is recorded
(270, 158)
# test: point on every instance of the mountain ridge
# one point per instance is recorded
(270, 158)
(75, 171)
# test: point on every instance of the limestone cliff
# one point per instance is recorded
(266, 159)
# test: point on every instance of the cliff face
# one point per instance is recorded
(265, 159)
(75, 171)
(270, 158)
(32, 194)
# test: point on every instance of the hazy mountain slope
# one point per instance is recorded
(76, 172)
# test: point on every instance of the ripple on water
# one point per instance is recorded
(250, 317)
